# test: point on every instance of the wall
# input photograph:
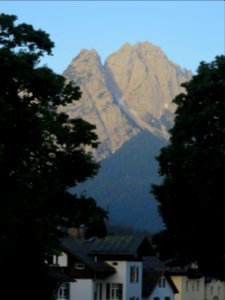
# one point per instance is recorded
(215, 290)
(82, 289)
(179, 282)
(61, 260)
(134, 289)
(122, 275)
(189, 289)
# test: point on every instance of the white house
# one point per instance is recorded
(88, 272)
(104, 269)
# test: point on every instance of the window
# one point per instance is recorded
(107, 291)
(98, 291)
(218, 290)
(211, 290)
(63, 291)
(79, 266)
(114, 291)
(162, 282)
(134, 274)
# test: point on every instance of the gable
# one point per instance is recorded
(155, 277)
(145, 249)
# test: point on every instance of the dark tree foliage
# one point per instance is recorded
(192, 193)
(42, 154)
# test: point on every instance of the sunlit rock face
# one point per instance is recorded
(98, 104)
(129, 99)
(132, 91)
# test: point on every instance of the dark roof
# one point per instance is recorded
(153, 262)
(74, 247)
(92, 252)
(153, 270)
(118, 245)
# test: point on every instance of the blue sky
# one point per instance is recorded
(187, 31)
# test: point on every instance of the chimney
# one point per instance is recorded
(77, 232)
(82, 231)
(72, 231)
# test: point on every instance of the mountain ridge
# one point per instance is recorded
(129, 99)
(118, 81)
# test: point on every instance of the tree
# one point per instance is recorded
(42, 154)
(191, 195)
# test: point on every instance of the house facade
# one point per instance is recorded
(214, 289)
(126, 282)
(162, 291)
(104, 269)
(124, 268)
(189, 282)
(192, 285)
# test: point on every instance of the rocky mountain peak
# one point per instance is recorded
(87, 55)
(147, 48)
(131, 92)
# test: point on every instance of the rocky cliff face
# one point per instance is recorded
(98, 105)
(129, 99)
(132, 91)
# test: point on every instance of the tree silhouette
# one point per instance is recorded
(192, 193)
(42, 154)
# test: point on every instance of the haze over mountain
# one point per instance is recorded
(129, 99)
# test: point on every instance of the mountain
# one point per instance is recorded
(129, 99)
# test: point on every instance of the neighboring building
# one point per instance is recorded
(157, 284)
(88, 272)
(104, 269)
(214, 289)
(190, 283)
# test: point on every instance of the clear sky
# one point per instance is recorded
(187, 31)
